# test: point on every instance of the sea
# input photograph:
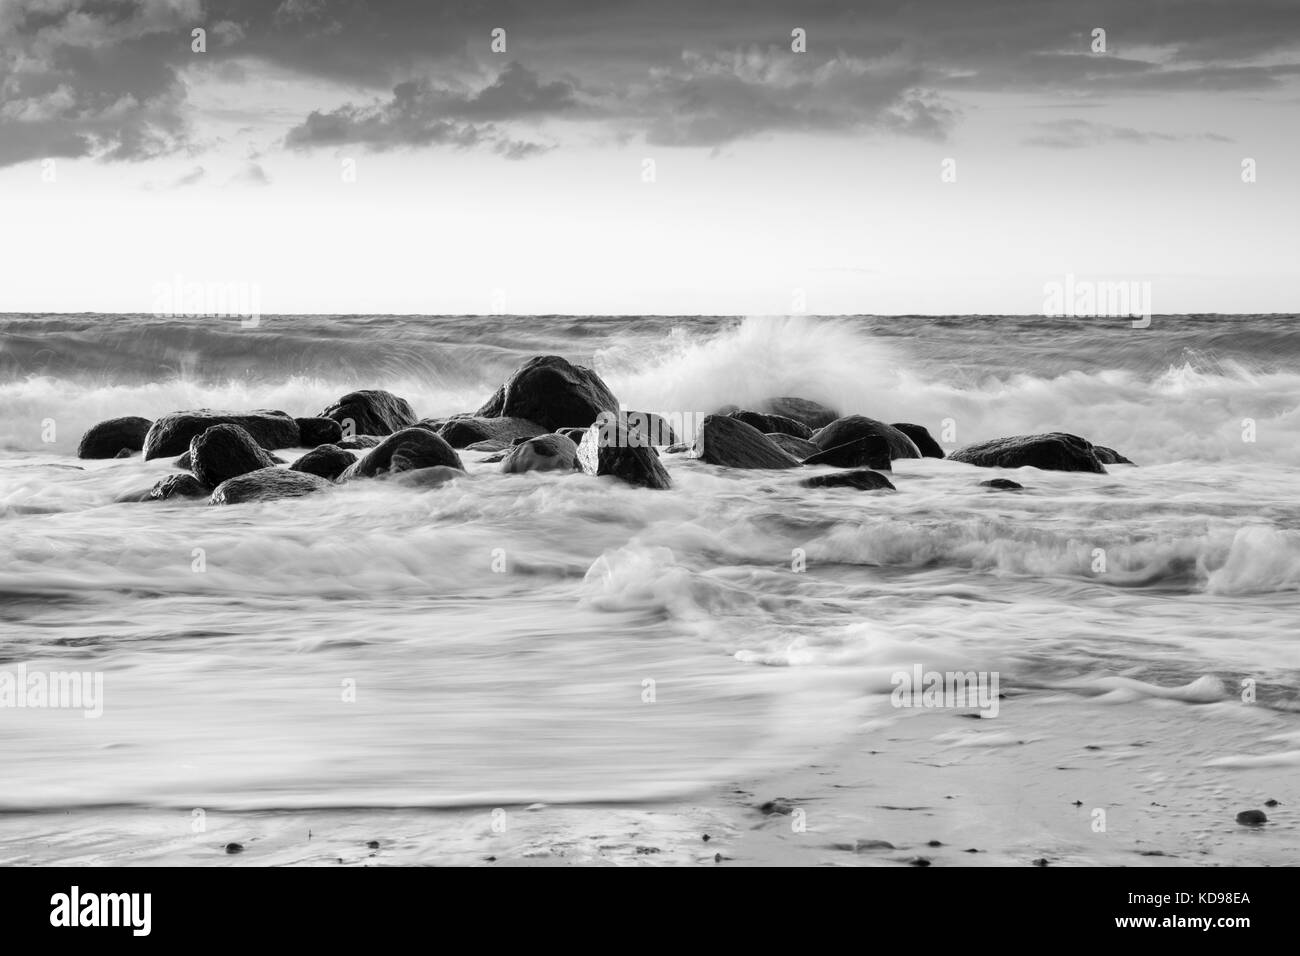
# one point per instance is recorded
(507, 640)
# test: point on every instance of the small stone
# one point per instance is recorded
(1252, 818)
(373, 844)
(234, 848)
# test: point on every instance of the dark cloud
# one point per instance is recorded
(107, 77)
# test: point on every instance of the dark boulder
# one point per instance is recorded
(1055, 451)
(433, 477)
(921, 437)
(267, 484)
(656, 428)
(226, 451)
(1109, 456)
(862, 480)
(635, 461)
(324, 461)
(371, 411)
(183, 462)
(463, 432)
(360, 441)
(124, 453)
(179, 486)
(553, 393)
(171, 434)
(108, 438)
(406, 450)
(1002, 484)
(544, 453)
(574, 435)
(318, 431)
(727, 441)
(852, 427)
(800, 448)
(813, 414)
(773, 423)
(489, 446)
(869, 451)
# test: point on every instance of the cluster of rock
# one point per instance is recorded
(550, 415)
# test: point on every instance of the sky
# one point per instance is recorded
(648, 156)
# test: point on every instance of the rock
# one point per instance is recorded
(462, 432)
(171, 434)
(431, 477)
(107, 438)
(490, 446)
(406, 450)
(371, 411)
(124, 453)
(852, 427)
(1109, 456)
(1002, 484)
(140, 494)
(773, 423)
(183, 462)
(267, 484)
(226, 451)
(1055, 451)
(493, 459)
(727, 441)
(544, 453)
(862, 480)
(324, 461)
(623, 453)
(922, 439)
(799, 448)
(179, 486)
(313, 432)
(869, 451)
(812, 414)
(678, 449)
(574, 435)
(360, 441)
(656, 428)
(1252, 818)
(553, 393)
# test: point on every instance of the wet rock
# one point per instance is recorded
(431, 477)
(359, 442)
(624, 454)
(179, 486)
(799, 448)
(918, 861)
(810, 413)
(267, 484)
(782, 806)
(729, 442)
(869, 451)
(462, 432)
(108, 438)
(1002, 484)
(226, 451)
(1109, 456)
(545, 453)
(124, 453)
(574, 435)
(172, 434)
(325, 461)
(1054, 451)
(862, 480)
(767, 423)
(922, 439)
(657, 429)
(313, 432)
(371, 411)
(553, 393)
(491, 446)
(406, 450)
(183, 462)
(852, 427)
(234, 848)
(1252, 818)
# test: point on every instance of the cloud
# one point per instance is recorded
(252, 175)
(192, 177)
(1077, 134)
(420, 113)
